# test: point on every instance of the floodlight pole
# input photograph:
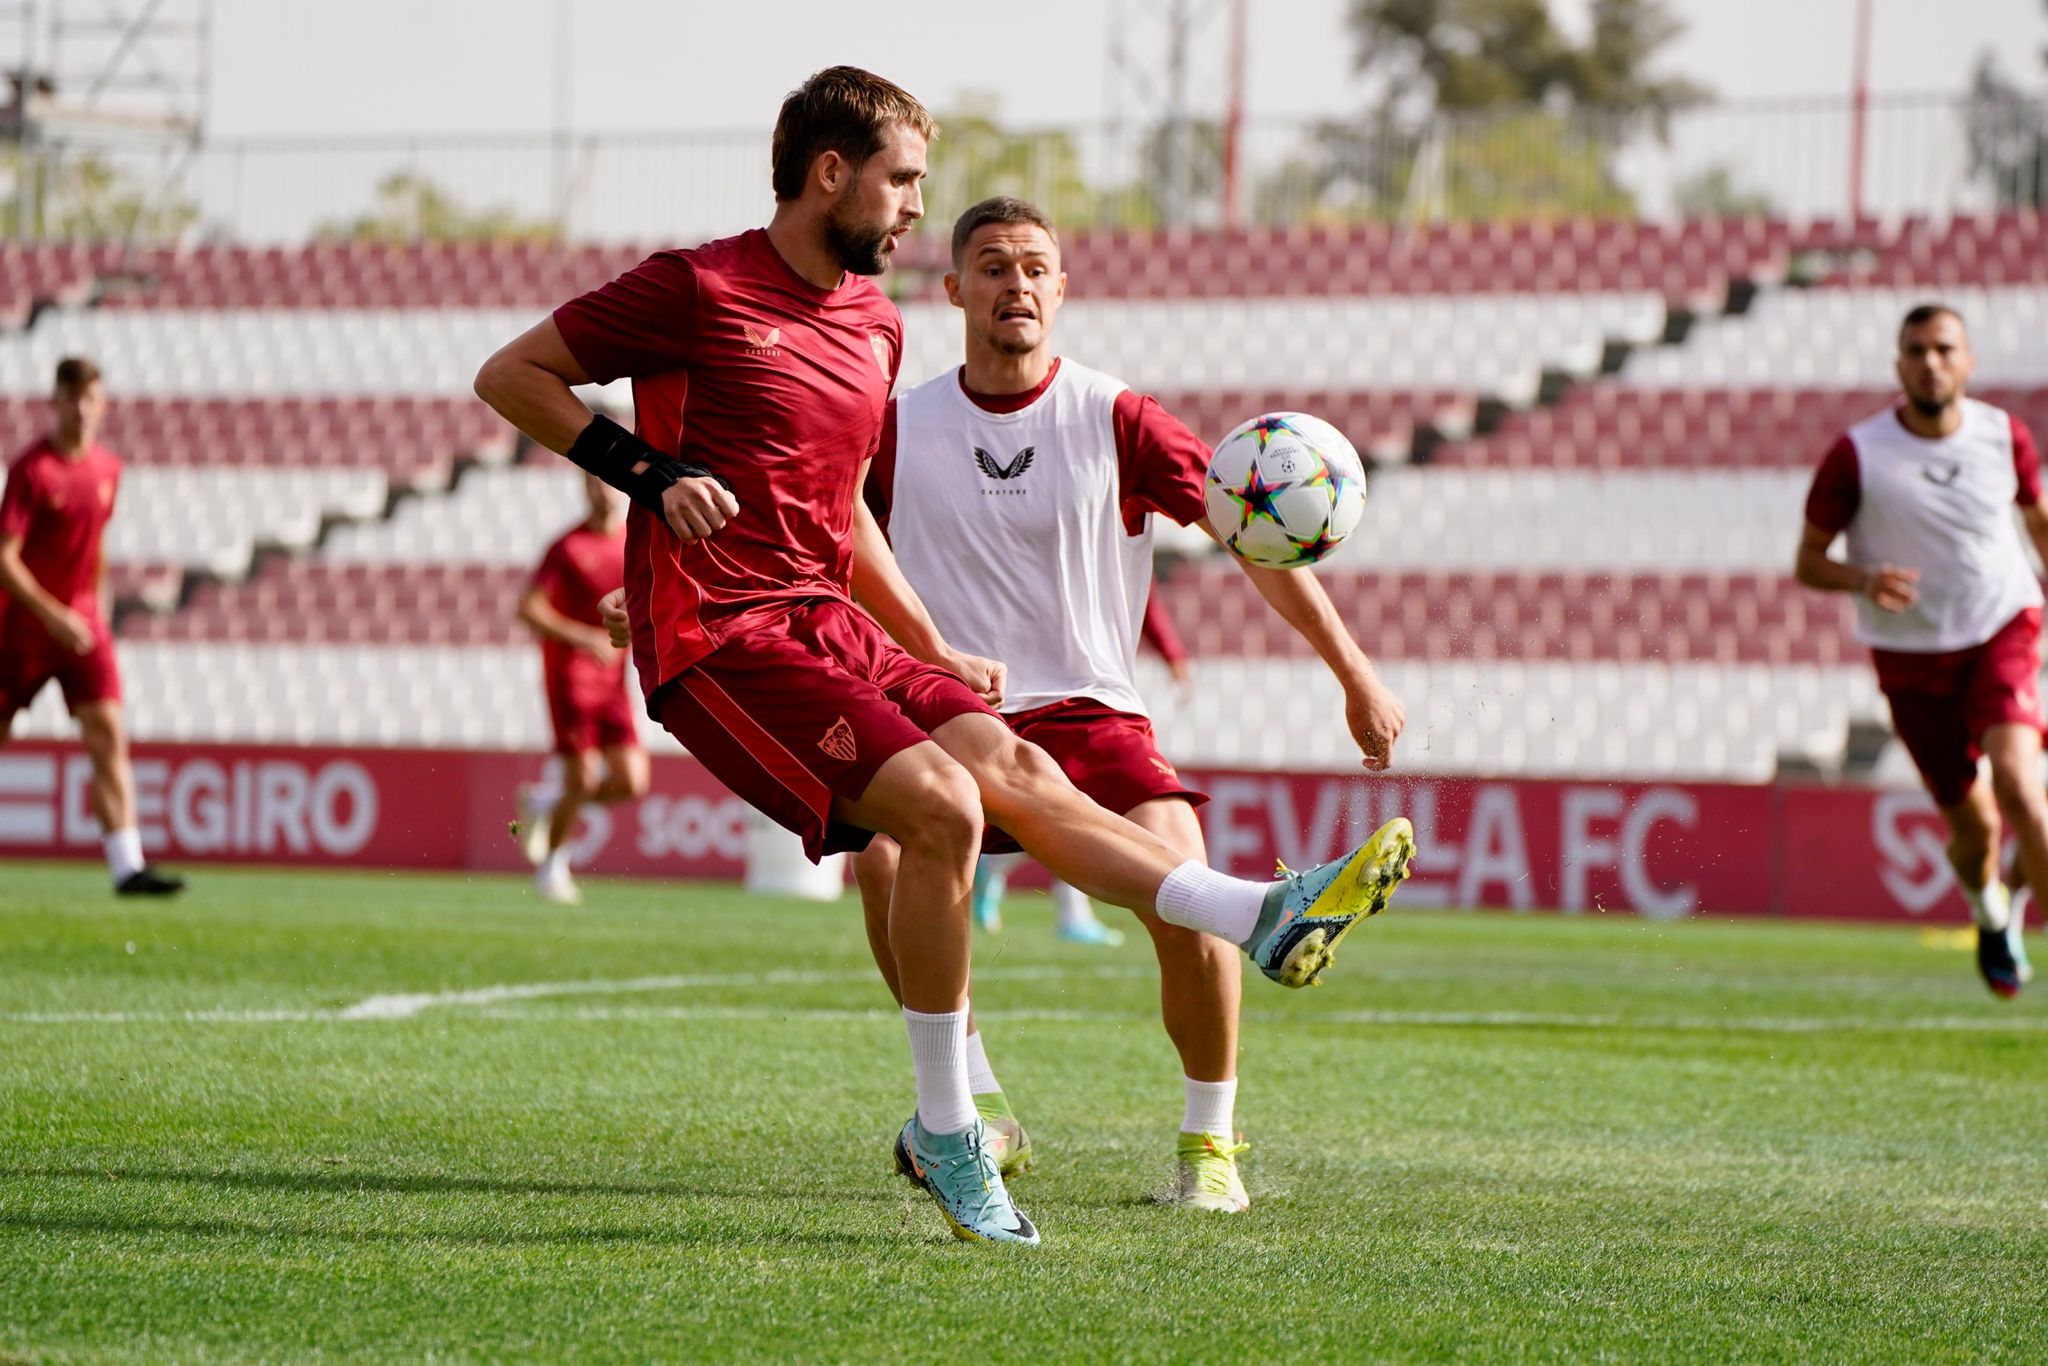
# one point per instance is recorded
(1859, 116)
(1233, 122)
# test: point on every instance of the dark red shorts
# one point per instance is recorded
(1110, 755)
(29, 658)
(590, 713)
(804, 710)
(1943, 703)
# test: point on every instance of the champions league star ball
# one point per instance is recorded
(1284, 490)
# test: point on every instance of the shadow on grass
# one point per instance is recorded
(119, 1225)
(348, 1180)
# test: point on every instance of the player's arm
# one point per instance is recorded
(879, 586)
(1831, 504)
(1157, 631)
(529, 382)
(2034, 517)
(67, 627)
(546, 621)
(1374, 714)
(1889, 586)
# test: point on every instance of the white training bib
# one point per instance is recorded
(1946, 508)
(1010, 527)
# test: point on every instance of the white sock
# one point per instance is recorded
(1074, 908)
(999, 867)
(556, 864)
(1201, 898)
(1211, 1107)
(938, 1051)
(981, 1078)
(124, 853)
(1991, 907)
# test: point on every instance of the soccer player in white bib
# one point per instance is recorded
(1950, 608)
(1017, 493)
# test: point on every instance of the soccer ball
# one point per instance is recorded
(1284, 490)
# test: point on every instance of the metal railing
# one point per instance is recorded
(1931, 155)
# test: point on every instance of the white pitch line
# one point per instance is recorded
(1423, 1019)
(407, 1005)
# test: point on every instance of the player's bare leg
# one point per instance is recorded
(551, 878)
(1201, 985)
(1973, 838)
(1974, 830)
(874, 873)
(579, 784)
(927, 804)
(1201, 979)
(626, 775)
(2014, 750)
(112, 795)
(1102, 853)
(1291, 928)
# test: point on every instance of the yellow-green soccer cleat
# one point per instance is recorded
(1206, 1174)
(959, 1172)
(1307, 915)
(1007, 1142)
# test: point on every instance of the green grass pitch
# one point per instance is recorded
(264, 1123)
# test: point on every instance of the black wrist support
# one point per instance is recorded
(610, 452)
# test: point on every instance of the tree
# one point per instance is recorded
(1715, 193)
(50, 193)
(2007, 135)
(974, 157)
(411, 208)
(1486, 107)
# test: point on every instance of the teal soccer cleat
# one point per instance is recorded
(959, 1172)
(1307, 914)
(986, 901)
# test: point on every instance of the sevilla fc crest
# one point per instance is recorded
(838, 741)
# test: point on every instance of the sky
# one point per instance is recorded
(292, 67)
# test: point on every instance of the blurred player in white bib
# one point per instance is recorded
(1950, 608)
(1017, 493)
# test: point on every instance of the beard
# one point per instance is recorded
(858, 248)
(1929, 407)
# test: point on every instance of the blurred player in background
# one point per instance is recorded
(1074, 914)
(1017, 493)
(53, 621)
(761, 368)
(596, 743)
(1950, 608)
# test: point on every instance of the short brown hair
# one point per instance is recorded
(74, 373)
(841, 109)
(1002, 208)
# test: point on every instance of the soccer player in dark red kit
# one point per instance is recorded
(53, 626)
(596, 742)
(1925, 492)
(761, 366)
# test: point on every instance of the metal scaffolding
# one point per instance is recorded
(105, 114)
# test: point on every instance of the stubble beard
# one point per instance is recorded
(859, 249)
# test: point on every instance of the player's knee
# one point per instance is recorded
(104, 740)
(1019, 777)
(637, 782)
(579, 774)
(946, 812)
